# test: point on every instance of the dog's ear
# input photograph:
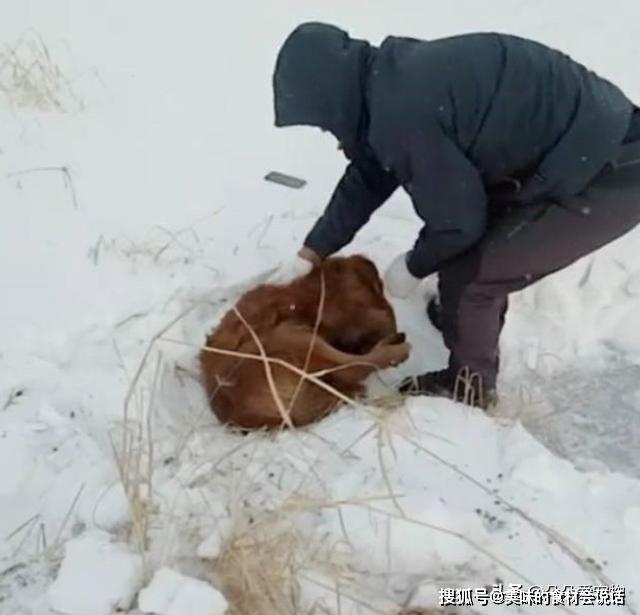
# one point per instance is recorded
(367, 272)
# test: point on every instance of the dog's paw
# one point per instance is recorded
(400, 352)
(388, 354)
(394, 338)
(400, 338)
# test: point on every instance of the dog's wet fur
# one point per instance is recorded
(357, 335)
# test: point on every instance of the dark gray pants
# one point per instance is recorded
(525, 243)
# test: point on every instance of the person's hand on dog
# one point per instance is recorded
(301, 265)
(399, 282)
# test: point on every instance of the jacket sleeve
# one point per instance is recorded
(448, 195)
(364, 187)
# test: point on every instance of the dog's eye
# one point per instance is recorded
(292, 307)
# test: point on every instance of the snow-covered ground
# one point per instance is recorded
(135, 136)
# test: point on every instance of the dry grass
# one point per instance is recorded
(312, 377)
(134, 452)
(314, 336)
(160, 246)
(64, 171)
(267, 560)
(30, 78)
(258, 569)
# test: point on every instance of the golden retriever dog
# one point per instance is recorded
(355, 336)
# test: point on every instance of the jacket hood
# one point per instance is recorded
(318, 80)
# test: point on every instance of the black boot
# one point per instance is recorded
(434, 312)
(461, 387)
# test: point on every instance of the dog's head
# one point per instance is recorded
(358, 314)
(368, 276)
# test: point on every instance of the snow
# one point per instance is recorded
(133, 198)
(96, 577)
(170, 593)
(212, 546)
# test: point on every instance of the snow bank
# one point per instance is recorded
(171, 593)
(96, 577)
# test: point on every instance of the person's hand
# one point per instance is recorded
(398, 280)
(289, 270)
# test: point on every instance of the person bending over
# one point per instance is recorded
(517, 159)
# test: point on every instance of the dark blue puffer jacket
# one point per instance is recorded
(447, 120)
